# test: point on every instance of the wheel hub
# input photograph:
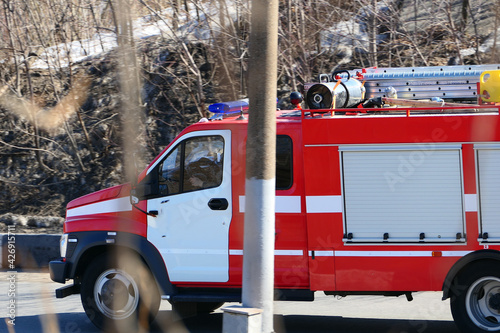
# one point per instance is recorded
(494, 302)
(114, 294)
(483, 303)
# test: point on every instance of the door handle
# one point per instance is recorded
(218, 204)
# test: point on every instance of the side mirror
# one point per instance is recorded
(147, 188)
(134, 200)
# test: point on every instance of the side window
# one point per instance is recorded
(195, 164)
(203, 163)
(284, 162)
(170, 173)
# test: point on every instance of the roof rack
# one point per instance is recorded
(447, 82)
(402, 111)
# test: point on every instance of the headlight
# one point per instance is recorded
(63, 245)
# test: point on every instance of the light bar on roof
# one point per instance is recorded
(229, 107)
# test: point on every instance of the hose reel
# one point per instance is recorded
(339, 93)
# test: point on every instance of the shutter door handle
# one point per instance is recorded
(218, 204)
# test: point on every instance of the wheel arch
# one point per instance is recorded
(463, 264)
(91, 246)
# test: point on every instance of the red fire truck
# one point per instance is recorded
(371, 199)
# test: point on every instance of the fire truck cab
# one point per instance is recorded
(383, 201)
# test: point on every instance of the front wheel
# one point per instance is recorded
(119, 294)
(475, 304)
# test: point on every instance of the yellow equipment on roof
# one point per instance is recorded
(489, 86)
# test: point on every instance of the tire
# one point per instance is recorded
(475, 303)
(119, 294)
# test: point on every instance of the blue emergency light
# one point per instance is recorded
(229, 107)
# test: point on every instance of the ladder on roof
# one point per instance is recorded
(457, 83)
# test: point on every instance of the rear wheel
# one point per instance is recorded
(119, 294)
(475, 303)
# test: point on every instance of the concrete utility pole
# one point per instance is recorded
(130, 86)
(258, 249)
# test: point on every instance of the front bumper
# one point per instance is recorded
(59, 270)
(58, 273)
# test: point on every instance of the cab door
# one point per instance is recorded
(193, 209)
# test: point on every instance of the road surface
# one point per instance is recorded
(38, 311)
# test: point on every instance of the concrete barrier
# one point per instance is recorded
(29, 250)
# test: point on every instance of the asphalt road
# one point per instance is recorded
(38, 311)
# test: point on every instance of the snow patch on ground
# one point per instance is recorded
(203, 21)
(483, 48)
(200, 23)
(32, 221)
